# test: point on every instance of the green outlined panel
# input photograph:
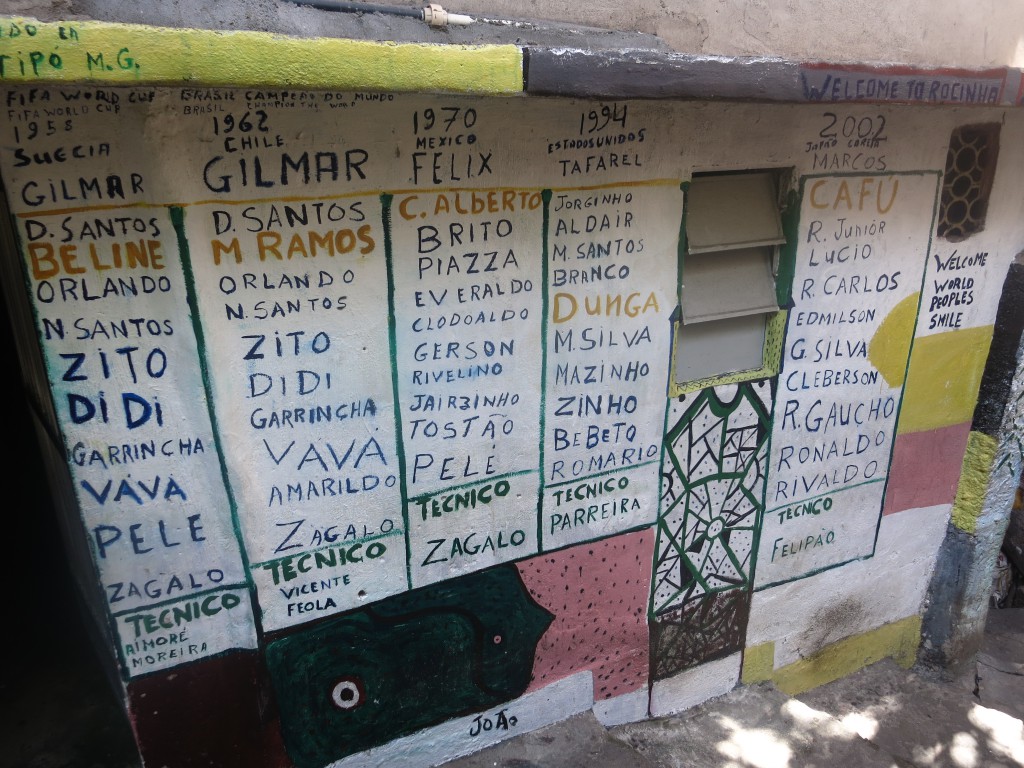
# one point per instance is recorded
(863, 247)
(112, 311)
(292, 295)
(468, 308)
(612, 282)
(712, 493)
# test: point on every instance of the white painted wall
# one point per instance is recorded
(187, 160)
(803, 616)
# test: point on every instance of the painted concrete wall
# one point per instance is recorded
(366, 392)
(958, 594)
(944, 32)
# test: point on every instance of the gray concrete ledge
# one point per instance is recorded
(648, 74)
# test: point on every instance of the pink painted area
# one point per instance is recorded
(598, 593)
(926, 468)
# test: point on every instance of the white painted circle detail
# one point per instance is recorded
(345, 694)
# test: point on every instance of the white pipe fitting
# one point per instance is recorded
(436, 16)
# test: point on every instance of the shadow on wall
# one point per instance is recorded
(58, 709)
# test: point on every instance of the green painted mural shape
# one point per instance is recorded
(712, 495)
(405, 663)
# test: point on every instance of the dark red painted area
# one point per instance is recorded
(926, 468)
(214, 712)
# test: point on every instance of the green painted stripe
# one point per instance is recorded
(182, 599)
(332, 545)
(178, 222)
(602, 474)
(828, 493)
(545, 251)
(385, 216)
(455, 488)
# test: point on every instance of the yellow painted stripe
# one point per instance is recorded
(890, 346)
(944, 377)
(898, 640)
(128, 54)
(974, 477)
(758, 663)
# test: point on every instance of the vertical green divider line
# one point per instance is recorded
(669, 386)
(681, 248)
(787, 273)
(385, 217)
(545, 250)
(178, 222)
(787, 251)
(762, 513)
